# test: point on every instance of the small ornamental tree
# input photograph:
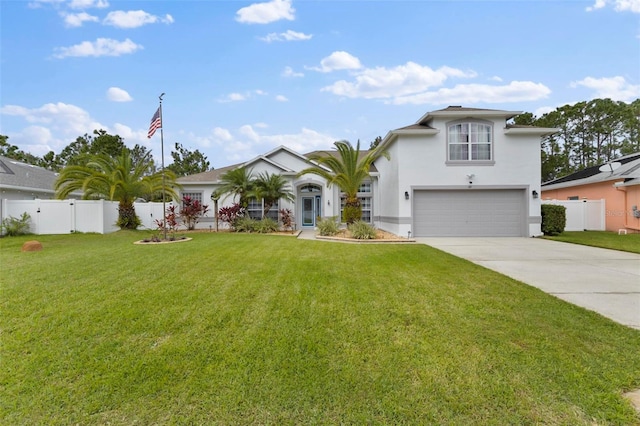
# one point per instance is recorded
(231, 214)
(170, 222)
(287, 219)
(192, 211)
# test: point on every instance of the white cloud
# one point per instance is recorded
(101, 47)
(86, 4)
(36, 4)
(134, 19)
(496, 78)
(616, 88)
(66, 121)
(618, 5)
(289, 72)
(234, 97)
(384, 83)
(338, 60)
(117, 94)
(222, 134)
(264, 13)
(516, 91)
(73, 20)
(286, 36)
(281, 98)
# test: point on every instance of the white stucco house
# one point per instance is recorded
(455, 172)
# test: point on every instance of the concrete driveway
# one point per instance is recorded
(604, 281)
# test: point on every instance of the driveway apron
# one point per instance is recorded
(601, 280)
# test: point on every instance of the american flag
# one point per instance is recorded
(156, 123)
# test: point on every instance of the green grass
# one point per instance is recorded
(603, 239)
(254, 329)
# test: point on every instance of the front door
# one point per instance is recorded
(308, 211)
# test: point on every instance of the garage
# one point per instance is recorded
(469, 213)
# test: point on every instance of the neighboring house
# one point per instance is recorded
(617, 182)
(456, 172)
(20, 181)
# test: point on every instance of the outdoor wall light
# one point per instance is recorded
(534, 193)
(406, 195)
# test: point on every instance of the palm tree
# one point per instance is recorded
(348, 170)
(116, 179)
(237, 182)
(271, 188)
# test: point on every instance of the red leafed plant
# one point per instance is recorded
(192, 211)
(231, 214)
(286, 217)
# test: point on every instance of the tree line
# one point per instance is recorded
(84, 148)
(591, 133)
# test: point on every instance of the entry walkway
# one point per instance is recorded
(601, 280)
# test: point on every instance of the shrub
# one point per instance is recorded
(245, 224)
(362, 230)
(12, 226)
(230, 215)
(266, 225)
(554, 219)
(327, 226)
(192, 211)
(287, 219)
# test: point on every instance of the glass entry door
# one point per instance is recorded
(308, 211)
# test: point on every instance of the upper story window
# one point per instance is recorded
(470, 141)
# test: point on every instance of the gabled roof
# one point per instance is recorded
(459, 111)
(17, 175)
(214, 176)
(628, 171)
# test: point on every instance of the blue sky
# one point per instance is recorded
(242, 78)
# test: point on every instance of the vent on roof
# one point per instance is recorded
(455, 106)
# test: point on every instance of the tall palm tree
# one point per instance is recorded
(237, 182)
(116, 179)
(348, 169)
(271, 188)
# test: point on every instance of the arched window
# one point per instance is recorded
(470, 141)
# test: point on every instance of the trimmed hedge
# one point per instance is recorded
(554, 219)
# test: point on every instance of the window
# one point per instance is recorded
(365, 197)
(365, 187)
(195, 196)
(256, 207)
(470, 142)
(365, 205)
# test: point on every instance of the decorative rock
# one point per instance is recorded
(32, 246)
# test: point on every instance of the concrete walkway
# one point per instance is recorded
(604, 281)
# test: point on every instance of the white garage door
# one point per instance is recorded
(469, 213)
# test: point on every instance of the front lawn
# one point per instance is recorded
(603, 239)
(255, 329)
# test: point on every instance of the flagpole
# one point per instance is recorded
(164, 210)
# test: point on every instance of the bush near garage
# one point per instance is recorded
(554, 219)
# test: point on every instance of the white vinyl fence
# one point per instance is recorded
(583, 215)
(68, 216)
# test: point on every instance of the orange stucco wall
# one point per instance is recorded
(618, 202)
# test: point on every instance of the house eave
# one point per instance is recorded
(537, 131)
